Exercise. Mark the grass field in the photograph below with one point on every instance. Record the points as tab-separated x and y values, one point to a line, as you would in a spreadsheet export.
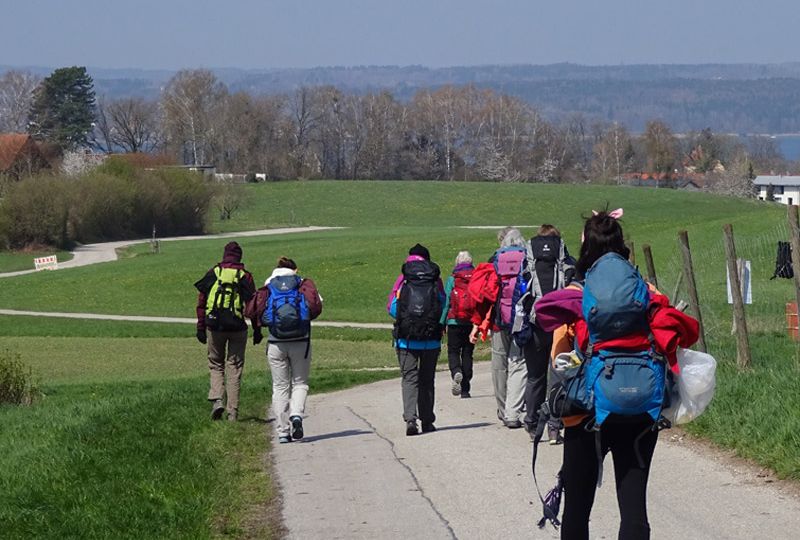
124	412
121	443
11	261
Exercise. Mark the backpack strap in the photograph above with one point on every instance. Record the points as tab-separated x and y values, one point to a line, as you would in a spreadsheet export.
552	501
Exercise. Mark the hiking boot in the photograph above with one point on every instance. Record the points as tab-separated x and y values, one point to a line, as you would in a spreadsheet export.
555	436
428	428
232	416
411	428
465	395
512	424
297	427
457	378
283	439
217	408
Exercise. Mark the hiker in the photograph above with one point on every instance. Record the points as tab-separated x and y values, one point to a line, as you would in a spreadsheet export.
493	287
549	267
457	316
646	338
286	305
416	303
223	292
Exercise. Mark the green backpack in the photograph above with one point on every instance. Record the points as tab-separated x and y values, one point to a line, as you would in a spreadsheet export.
224	303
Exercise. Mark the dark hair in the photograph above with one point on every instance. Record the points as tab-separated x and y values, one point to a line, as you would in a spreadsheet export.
548	230
286	262
601	234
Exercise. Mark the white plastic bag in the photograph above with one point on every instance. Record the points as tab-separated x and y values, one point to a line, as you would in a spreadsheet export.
695	386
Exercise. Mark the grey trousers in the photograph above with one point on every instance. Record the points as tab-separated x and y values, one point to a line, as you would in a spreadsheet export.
226	357
290	364
509	375
418	370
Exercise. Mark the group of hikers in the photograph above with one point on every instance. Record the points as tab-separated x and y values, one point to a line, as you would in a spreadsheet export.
285	305
581	345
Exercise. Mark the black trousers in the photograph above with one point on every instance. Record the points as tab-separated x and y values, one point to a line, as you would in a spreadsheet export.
459	353
580	469
537	360
418	370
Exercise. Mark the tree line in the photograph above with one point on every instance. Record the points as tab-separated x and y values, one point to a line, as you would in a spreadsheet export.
450	133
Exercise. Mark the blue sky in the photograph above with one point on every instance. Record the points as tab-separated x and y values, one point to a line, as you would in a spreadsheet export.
304	33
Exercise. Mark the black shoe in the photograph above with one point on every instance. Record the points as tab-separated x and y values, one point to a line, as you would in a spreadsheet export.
465	395
297	427
428	428
411	428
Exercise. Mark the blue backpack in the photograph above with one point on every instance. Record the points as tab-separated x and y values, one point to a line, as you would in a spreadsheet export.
287	314
620	383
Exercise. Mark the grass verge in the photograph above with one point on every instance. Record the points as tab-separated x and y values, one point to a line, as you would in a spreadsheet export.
122	444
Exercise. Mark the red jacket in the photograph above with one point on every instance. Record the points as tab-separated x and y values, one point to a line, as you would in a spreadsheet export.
670	328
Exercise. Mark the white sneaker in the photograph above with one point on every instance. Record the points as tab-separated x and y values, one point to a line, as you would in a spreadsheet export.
456	389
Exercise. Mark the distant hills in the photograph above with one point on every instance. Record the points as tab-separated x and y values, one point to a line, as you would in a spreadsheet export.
729	98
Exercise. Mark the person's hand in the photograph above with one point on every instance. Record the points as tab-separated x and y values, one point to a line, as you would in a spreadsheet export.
257	336
201	337
473	335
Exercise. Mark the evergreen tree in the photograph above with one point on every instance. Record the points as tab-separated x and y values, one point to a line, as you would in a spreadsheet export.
64	108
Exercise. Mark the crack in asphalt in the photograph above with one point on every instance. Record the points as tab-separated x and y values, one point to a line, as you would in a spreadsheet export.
410	471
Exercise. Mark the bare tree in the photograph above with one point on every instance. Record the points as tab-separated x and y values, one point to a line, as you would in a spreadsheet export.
16	98
192	101
660	145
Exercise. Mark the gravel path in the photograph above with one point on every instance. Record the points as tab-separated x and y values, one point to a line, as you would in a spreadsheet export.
107	251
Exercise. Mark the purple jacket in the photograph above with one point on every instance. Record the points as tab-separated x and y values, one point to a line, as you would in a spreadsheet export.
558	308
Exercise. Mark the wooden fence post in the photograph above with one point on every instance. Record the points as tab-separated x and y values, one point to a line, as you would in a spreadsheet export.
691	287
742	340
632	255
651	268
794	230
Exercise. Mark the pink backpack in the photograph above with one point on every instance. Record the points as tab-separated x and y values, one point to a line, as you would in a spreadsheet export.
508	263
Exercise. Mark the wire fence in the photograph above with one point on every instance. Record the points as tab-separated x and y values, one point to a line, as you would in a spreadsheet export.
766	318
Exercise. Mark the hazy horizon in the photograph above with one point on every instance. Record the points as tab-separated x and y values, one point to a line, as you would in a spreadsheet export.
266	34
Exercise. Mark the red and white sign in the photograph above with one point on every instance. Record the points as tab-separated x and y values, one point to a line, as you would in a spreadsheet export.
46	263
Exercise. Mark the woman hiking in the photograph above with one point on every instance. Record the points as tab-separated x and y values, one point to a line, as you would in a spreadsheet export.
457	315
286	305
416	303
631	439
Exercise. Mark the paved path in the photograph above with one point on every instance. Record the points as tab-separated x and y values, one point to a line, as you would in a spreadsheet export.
178	320
107	251
356	475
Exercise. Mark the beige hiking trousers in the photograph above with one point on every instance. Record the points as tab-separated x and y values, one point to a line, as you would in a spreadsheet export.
290	364
226	357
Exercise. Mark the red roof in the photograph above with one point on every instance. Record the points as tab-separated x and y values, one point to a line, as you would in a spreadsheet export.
11	145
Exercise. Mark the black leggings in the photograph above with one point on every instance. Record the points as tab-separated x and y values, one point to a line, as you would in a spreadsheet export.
580	478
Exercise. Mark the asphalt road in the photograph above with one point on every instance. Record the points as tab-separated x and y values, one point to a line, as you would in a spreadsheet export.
357	475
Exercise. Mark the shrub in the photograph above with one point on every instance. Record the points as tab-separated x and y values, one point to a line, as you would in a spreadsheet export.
17	386
112	202
34	212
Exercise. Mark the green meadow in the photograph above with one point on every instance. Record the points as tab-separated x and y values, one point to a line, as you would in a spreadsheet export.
121	443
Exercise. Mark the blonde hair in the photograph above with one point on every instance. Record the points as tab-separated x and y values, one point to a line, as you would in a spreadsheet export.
510	236
463	257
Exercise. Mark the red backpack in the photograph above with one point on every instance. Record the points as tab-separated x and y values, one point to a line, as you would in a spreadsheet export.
461	303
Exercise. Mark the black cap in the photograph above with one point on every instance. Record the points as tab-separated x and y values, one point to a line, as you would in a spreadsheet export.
421	251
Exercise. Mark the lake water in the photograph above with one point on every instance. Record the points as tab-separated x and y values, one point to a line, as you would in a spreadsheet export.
789	146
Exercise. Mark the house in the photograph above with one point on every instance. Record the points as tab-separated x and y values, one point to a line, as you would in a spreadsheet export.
785	189
20	155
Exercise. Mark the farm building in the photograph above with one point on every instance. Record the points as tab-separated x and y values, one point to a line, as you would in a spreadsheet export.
20	155
785	189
